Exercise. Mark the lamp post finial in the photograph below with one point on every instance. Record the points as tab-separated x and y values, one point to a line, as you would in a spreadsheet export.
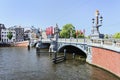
97	12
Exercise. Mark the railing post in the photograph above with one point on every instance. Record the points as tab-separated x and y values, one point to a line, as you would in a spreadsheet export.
91	40
102	42
84	39
114	43
77	39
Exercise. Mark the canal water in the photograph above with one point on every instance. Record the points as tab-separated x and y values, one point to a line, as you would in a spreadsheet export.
19	63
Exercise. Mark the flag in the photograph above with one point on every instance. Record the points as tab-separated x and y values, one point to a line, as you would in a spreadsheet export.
81	32
47	31
51	30
76	32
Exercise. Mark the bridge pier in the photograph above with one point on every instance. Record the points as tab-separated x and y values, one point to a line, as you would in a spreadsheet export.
28	47
99	52
37	50
59	58
64	54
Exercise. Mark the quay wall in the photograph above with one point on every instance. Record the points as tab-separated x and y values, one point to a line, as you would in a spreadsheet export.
106	59
22	44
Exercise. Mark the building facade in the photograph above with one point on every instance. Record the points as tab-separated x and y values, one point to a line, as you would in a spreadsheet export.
19	33
4	35
2	26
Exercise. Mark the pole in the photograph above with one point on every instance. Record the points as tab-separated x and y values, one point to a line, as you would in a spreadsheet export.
73	55
56	42
29	45
55	57
64	54
57	36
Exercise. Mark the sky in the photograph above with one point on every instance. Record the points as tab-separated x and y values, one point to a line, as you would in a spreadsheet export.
45	13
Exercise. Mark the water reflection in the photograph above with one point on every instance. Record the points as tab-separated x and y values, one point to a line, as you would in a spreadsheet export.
21	64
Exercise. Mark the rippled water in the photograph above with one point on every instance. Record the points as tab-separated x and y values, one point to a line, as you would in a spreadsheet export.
21	64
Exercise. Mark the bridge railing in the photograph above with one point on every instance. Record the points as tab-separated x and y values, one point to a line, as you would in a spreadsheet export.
72	40
109	42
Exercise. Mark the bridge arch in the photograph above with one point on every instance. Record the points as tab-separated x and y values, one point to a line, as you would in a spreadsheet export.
43	45
72	49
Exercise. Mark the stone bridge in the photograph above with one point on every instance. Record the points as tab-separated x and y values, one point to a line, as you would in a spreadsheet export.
104	53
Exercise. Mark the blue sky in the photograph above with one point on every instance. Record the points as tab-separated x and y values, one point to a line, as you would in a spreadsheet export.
45	13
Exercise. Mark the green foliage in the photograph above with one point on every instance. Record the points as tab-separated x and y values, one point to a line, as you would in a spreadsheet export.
10	35
67	31
106	36
117	35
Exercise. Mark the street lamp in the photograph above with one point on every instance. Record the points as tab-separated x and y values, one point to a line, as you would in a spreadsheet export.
93	20
96	25
40	34
56	42
70	34
101	19
57	35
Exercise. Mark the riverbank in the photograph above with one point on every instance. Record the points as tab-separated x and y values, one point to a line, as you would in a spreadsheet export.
21	63
15	44
5	45
104	69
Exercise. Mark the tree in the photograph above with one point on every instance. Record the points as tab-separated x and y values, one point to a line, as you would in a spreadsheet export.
67	31
117	35
106	36
10	35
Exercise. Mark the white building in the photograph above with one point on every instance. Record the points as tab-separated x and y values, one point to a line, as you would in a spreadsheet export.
4	33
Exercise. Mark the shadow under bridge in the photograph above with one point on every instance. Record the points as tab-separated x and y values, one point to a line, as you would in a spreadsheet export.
42	45
72	49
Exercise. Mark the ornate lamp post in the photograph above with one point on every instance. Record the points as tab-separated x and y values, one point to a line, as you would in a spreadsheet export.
57	36
70	34
56	42
95	31
40	34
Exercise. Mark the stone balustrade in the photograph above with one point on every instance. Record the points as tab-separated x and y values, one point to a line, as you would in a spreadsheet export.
108	42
